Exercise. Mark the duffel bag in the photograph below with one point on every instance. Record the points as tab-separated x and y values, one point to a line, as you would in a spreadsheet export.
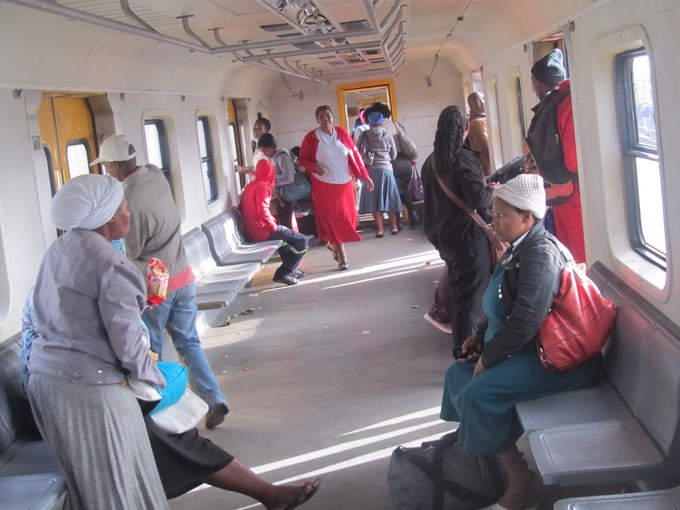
441	475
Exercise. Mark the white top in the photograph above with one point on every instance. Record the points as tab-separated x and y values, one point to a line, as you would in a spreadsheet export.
332	155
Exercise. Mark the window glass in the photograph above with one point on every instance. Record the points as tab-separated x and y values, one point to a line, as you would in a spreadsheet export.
520	105
493	118
643	171
156	143
644	102
650	200
153	144
77	158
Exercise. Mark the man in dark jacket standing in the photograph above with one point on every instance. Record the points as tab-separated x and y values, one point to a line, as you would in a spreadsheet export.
552	140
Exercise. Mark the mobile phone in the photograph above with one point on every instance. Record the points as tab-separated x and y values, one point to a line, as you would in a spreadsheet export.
458	353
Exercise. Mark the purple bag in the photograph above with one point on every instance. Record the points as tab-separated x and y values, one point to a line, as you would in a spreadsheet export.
415	187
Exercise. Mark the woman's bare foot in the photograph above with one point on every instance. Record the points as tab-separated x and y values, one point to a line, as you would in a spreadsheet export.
333	250
292	496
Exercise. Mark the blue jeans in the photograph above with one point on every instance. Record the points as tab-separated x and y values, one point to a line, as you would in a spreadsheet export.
178	314
291	252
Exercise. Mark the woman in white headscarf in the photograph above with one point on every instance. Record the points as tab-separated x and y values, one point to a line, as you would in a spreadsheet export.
87	303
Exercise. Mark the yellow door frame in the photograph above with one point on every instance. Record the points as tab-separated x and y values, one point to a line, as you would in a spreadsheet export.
386	83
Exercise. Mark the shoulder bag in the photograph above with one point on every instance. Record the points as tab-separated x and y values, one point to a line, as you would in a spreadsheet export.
497	246
299	189
408	148
578	323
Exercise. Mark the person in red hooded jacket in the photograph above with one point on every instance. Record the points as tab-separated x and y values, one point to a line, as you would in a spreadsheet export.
260	225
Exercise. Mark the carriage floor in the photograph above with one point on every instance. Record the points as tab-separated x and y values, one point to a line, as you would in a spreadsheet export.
327	377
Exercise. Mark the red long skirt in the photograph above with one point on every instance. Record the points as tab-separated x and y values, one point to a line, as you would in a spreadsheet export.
335	211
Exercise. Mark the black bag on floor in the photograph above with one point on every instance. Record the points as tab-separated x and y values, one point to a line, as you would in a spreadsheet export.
440	475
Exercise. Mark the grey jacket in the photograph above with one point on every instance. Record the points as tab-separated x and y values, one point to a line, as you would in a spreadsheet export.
529	285
155	224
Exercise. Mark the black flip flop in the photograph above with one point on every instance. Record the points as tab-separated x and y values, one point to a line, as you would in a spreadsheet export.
299	491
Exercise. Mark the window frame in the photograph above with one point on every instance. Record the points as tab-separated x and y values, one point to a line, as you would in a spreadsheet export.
631	150
208	175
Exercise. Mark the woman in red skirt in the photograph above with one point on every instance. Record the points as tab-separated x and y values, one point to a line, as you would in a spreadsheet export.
330	157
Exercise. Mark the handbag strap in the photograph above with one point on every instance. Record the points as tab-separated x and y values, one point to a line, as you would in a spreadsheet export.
486	227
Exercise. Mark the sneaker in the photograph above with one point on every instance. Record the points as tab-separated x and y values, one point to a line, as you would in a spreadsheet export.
216	415
299	273
286	279
438	322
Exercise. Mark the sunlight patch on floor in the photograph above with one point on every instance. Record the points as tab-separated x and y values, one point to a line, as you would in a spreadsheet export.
325	452
395	421
411	262
360	459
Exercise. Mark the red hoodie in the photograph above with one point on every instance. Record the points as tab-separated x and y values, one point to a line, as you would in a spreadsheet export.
258	222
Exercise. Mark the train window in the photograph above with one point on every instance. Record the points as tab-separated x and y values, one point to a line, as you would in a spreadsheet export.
493	118
78	157
207	159
516	110
520	104
643	175
156	140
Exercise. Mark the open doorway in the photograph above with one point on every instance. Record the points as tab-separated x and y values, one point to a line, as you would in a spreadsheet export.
352	97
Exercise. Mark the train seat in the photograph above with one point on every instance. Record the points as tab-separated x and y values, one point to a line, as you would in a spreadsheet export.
668	499
588	405
215	285
29	475
32	492
226	241
635	434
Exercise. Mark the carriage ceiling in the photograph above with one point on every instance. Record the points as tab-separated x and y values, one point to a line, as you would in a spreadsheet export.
330	40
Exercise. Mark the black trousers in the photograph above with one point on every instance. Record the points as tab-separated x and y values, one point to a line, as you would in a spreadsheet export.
402	173
469	271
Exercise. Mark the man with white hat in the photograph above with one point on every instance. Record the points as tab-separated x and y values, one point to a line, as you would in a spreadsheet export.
155	233
552	142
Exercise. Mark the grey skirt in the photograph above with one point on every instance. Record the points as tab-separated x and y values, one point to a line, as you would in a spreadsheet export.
99	440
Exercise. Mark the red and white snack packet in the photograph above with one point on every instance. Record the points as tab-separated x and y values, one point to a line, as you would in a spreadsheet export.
157	276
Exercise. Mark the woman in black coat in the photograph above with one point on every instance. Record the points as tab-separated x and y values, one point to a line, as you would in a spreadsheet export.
460	241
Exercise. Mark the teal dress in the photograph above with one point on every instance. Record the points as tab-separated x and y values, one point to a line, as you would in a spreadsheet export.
485	405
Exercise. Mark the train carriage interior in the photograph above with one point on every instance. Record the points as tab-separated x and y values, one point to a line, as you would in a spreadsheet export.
327	377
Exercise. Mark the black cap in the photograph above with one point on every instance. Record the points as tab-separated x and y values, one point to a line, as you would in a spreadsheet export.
549	69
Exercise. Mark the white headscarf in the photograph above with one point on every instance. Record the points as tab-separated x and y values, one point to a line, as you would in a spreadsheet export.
86	202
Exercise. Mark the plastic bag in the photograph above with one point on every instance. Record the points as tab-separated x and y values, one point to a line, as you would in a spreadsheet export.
157	277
